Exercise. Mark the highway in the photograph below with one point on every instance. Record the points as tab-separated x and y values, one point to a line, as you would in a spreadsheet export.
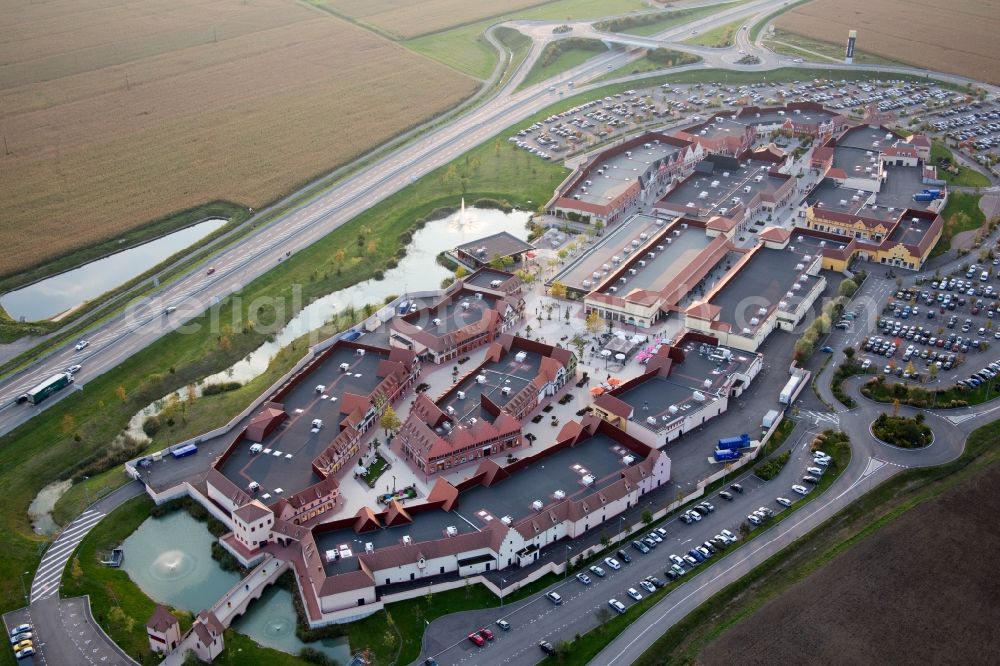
142	323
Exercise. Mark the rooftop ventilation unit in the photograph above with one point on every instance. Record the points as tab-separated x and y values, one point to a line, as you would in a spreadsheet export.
446	425
461	395
800	267
407	540
450	410
660	248
796	287
715	183
643	236
466	305
673	409
699	396
559	494
703	195
616	259
633	271
762	311
505	390
808	257
436	321
642	263
344	367
782	305
451	531
636	243
746	331
754	321
369	547
521	356
586	284
479	296
627	250
588	479
707	383
473	421
361	352
725	174
651	420
507	520
537	505
480	379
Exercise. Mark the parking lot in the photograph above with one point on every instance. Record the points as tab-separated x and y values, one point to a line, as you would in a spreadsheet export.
941	112
939	332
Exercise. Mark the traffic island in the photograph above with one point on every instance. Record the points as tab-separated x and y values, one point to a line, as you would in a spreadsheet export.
902	431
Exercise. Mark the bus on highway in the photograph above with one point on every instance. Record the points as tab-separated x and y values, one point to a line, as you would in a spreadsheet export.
49	386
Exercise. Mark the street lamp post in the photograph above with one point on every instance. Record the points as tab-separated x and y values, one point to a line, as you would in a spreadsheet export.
503	584
566	570
24	589
621	530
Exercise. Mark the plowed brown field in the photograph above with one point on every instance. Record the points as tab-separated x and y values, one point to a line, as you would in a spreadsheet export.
115	114
921	590
957	36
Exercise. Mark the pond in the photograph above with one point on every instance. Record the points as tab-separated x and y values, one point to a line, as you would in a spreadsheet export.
170	559
47	298
418	271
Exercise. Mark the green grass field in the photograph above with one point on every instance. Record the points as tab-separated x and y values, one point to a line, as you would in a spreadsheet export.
965	177
961	214
465	48
717	38
677	17
798	46
548	67
649	64
757	27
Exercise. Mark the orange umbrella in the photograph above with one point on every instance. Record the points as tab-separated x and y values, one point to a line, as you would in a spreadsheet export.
614	381
597	390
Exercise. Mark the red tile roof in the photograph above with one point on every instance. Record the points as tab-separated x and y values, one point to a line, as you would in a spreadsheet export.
161	620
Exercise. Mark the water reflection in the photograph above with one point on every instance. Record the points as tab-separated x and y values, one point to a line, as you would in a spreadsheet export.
49	297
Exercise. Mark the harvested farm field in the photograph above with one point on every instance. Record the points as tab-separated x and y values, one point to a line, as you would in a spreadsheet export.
956	37
405	19
116	114
921	589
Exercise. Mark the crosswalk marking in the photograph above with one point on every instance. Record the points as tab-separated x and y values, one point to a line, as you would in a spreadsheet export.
818	417
50	570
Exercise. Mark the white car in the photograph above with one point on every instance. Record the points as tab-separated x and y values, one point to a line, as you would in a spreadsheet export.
646	585
729	535
73	369
695	516
634	593
613	563
753	519
82	344
583	578
801	490
784	501
617	605
815	471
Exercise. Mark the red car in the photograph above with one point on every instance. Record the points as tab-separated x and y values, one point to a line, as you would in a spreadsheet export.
477	639
486	633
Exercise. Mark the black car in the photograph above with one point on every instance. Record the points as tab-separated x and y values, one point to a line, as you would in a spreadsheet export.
726	495
671	574
686	518
547	647
655	581
623	556
737	487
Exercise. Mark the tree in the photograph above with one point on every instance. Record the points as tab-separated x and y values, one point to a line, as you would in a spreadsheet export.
933	371
372	247
461	272
647	517
580	343
598	226
389	421
847	288
849	352
340	255
602	614
76	571
557	290
594	323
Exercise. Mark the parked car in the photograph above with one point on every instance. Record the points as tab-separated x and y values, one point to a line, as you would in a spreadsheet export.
634	593
623	556
808	478
20	629
547	647
597	571
732	537
613	563
646	585
784	502
617	606
477	640
801	490
486	633
503	624
583	578
726	495
554	598
736	487
657	583
753	519
640	546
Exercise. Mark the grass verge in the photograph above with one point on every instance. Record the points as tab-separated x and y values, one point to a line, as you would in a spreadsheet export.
962	176
560	56
757	27
962	213
788	43
785	429
879	390
685	640
650	24
719	37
